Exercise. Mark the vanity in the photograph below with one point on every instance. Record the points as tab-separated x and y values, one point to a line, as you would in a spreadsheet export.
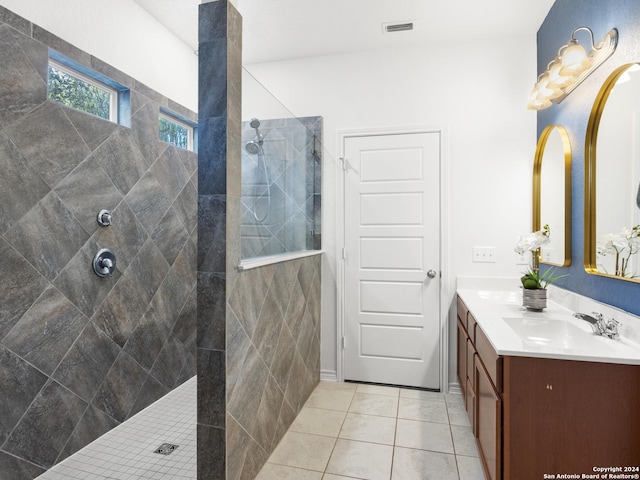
544	395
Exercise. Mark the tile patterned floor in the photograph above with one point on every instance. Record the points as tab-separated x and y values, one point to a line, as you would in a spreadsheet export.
127	451
345	431
349	431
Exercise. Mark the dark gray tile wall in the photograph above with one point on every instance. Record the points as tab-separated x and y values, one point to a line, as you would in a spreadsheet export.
219	54
259	329
273	354
79	354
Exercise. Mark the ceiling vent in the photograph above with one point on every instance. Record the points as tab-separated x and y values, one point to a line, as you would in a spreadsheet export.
397	27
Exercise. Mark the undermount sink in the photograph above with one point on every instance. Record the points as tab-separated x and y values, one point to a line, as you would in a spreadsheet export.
545	332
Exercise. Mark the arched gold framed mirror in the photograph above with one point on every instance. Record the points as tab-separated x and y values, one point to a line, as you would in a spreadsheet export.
612	178
552	194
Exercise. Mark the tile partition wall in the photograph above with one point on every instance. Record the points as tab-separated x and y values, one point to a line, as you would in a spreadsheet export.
259	356
80	354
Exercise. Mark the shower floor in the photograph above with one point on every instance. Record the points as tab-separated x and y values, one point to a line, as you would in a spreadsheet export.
127	451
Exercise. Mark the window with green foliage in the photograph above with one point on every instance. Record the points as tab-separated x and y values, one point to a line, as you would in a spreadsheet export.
176	132
76	90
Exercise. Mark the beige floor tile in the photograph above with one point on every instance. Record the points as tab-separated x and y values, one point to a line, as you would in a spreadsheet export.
368	404
424	436
463	441
271	471
454	398
331	476
361	460
470	468
422	395
318	421
410	464
458	415
423	410
330	399
378	390
369	428
303	450
338	385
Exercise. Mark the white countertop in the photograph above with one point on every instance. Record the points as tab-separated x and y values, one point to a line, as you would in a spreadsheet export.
553	333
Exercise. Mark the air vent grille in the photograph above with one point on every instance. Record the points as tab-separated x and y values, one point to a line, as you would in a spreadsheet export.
397	27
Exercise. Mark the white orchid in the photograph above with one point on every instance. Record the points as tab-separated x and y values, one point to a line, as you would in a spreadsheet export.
622	245
532	280
533	241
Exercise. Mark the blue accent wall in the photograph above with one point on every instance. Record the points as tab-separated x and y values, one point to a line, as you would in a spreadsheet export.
573	113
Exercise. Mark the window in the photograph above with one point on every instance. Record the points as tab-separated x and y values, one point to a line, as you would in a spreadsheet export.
177	131
79	87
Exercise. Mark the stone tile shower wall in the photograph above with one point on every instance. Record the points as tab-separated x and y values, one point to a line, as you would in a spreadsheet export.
80	354
273	358
258	330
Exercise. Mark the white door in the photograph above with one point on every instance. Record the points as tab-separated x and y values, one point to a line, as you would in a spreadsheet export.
392	259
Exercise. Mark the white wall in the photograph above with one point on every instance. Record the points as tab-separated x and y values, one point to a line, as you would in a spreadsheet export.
124	35
477	91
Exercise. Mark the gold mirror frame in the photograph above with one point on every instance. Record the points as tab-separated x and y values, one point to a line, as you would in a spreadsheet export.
537	188
590	241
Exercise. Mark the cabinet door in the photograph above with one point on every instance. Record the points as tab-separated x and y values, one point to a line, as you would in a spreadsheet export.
471	407
471	386
462	358
488	423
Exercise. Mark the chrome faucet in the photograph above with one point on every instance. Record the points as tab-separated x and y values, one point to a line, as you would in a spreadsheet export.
600	326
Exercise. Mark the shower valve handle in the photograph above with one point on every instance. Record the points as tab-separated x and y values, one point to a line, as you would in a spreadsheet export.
104	218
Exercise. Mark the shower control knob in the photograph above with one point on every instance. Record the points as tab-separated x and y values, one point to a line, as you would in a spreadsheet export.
104	263
104	218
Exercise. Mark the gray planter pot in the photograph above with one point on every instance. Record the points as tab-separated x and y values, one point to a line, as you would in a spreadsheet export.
534	300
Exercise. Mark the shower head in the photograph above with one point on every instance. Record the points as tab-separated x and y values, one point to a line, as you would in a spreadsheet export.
255	123
253	147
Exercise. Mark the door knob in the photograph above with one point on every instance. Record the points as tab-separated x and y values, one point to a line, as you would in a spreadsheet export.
432	273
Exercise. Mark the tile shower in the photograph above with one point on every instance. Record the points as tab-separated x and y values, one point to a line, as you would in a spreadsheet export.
80	354
281	172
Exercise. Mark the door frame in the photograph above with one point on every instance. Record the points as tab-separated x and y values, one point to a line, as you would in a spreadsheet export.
446	279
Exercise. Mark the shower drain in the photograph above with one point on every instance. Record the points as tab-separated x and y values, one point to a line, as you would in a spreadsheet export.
166	448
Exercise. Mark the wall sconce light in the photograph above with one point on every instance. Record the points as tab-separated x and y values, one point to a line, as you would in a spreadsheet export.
569	69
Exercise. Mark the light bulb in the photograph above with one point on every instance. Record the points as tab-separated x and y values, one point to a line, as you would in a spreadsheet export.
574	59
556	80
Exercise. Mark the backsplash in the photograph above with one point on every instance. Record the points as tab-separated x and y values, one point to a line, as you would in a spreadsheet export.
79	354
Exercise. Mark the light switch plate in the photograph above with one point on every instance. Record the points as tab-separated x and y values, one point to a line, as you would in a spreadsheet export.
484	254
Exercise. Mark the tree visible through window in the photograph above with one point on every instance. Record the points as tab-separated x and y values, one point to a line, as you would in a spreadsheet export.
73	91
176	133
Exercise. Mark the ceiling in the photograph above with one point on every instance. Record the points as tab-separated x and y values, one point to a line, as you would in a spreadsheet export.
286	29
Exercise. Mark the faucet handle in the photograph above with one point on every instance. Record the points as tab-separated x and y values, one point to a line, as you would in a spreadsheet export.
611	329
598	315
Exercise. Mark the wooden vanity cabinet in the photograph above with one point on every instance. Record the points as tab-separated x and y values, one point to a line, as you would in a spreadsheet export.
466	358
488	418
462	338
534	416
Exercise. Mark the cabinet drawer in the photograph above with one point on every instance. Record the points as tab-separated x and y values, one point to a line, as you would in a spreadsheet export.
462	312
471	327
489	358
